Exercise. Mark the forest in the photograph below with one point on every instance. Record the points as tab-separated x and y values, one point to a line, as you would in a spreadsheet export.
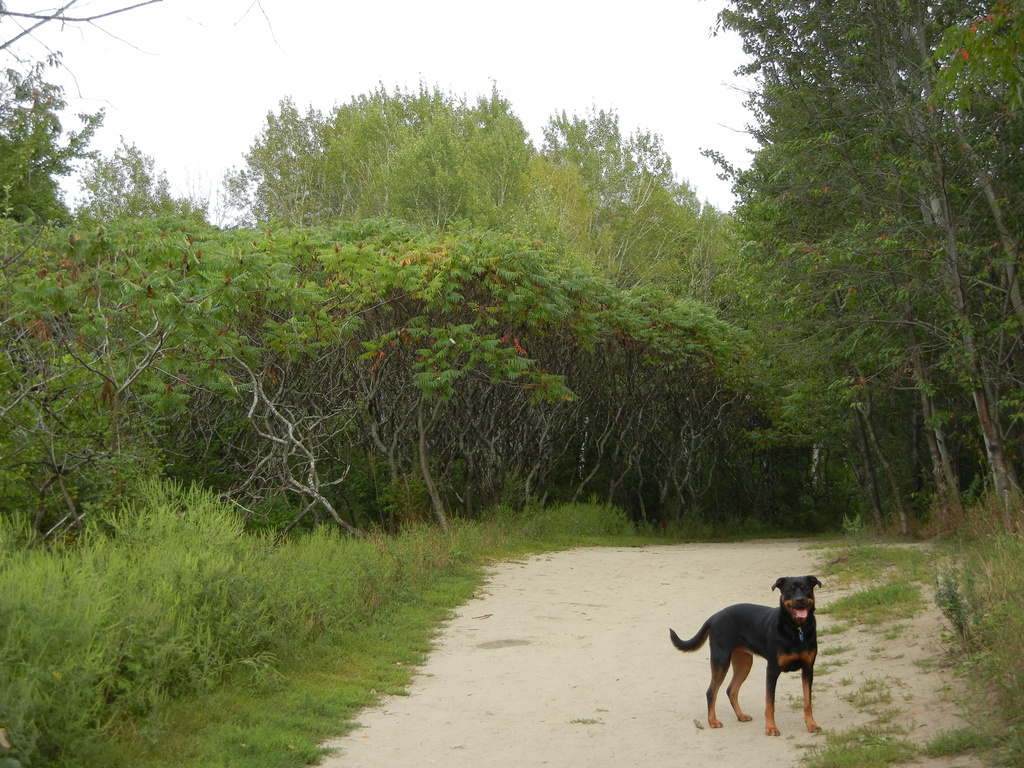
407	309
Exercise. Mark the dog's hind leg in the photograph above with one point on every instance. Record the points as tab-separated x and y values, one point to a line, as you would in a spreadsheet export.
742	660
718	674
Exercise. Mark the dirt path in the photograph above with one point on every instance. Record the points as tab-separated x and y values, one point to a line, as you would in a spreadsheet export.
564	660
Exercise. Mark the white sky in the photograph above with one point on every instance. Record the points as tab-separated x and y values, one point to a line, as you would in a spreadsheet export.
190	81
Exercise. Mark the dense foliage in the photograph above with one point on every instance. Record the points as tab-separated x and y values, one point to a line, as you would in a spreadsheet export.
127	185
598	196
361	374
35	150
883	215
880	279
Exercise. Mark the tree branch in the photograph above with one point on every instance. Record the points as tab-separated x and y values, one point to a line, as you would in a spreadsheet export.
60	15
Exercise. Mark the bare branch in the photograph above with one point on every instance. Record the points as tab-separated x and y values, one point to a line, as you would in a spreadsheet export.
60	14
258	4
292	442
34	27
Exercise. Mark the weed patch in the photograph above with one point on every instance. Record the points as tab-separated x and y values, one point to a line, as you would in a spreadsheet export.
878	604
980	592
868	747
856	561
958	742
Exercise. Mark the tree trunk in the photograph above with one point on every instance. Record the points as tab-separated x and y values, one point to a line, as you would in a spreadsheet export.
947	486
897	493
868	478
428	478
1004	480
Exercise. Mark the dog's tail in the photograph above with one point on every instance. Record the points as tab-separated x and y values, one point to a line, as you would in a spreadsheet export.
694	642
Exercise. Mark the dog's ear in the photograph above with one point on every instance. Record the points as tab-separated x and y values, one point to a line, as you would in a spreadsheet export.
778	583
813	580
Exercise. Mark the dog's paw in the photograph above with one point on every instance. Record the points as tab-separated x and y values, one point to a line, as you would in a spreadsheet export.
771	730
714	723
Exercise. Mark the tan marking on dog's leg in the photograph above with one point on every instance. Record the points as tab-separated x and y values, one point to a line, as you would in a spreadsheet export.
770	729
812	726
742	660
717	676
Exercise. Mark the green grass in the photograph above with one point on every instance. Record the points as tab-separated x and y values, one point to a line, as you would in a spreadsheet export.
980	590
876	605
284	721
958	742
832	650
835	629
856	561
875	697
867	747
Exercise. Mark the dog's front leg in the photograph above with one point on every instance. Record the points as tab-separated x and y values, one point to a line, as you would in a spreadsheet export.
770	729
807	677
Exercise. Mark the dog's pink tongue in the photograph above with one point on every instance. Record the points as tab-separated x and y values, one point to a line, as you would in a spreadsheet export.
801	613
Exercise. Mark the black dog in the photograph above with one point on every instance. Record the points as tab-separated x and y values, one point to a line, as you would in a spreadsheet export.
785	636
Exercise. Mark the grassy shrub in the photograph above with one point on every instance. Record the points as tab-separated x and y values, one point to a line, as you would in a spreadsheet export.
573	524
981	593
54	662
172	599
120	623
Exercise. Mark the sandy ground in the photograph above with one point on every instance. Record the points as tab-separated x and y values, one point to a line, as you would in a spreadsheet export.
565	660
